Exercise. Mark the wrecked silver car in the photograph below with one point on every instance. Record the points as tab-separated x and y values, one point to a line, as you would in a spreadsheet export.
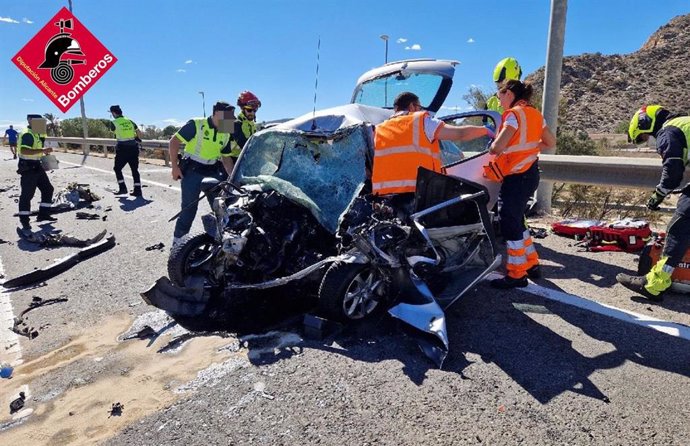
298	212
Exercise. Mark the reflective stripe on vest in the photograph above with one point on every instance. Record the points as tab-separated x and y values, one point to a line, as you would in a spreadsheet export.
204	148
124	129
37	145
400	148
522	149
248	129
682	123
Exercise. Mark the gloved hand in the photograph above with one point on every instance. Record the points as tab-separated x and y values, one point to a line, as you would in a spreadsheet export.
655	200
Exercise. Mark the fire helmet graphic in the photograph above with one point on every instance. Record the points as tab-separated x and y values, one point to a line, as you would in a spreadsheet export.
59	53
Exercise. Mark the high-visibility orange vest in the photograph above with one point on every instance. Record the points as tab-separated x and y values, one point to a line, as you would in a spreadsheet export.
400	148
523	148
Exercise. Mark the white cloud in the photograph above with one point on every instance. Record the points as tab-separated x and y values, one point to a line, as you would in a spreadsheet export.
8	20
180	70
415	47
27	21
27	100
470	40
173	121
401	40
188	61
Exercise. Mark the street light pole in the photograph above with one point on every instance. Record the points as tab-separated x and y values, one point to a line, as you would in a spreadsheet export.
384	37
84	124
203	102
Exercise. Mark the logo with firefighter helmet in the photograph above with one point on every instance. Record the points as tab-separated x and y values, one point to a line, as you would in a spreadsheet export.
60	52
64	59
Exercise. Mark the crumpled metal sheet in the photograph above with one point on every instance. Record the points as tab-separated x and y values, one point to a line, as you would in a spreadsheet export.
61	265
53	240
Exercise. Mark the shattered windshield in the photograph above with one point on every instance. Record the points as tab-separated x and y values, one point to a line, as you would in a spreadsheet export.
322	173
382	92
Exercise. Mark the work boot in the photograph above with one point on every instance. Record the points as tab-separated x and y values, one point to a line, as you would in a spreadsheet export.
44	216
122	190
136	192
637	284
534	272
508	282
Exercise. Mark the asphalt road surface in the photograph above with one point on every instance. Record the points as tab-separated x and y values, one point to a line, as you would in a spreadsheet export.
572	359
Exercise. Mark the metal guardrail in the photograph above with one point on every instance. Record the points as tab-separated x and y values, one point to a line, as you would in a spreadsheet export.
594	170
106	143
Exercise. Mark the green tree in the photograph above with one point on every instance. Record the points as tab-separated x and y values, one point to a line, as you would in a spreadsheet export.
98	128
170	131
477	98
53	126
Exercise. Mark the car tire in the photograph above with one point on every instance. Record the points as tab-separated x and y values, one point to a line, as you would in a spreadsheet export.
190	254
350	291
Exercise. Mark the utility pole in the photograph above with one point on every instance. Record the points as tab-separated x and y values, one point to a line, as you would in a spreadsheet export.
384	37
552	88
84	125
203	102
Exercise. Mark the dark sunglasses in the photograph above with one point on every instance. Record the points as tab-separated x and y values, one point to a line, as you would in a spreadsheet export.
249	109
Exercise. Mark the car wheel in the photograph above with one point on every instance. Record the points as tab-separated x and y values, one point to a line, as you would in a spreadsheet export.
350	291
190	257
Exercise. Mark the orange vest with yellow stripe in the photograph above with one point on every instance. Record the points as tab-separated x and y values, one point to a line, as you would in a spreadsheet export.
523	148
400	148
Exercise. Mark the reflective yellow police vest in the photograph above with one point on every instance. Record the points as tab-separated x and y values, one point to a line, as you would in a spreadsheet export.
207	143
124	129
37	145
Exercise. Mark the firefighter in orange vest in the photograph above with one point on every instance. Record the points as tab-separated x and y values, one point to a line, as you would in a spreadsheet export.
408	140
522	135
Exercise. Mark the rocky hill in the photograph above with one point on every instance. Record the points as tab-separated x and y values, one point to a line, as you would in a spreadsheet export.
599	92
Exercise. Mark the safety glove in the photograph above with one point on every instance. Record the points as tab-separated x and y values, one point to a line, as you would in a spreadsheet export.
655	200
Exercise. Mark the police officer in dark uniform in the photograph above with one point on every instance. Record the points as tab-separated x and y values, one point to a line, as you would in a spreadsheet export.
127	150
33	176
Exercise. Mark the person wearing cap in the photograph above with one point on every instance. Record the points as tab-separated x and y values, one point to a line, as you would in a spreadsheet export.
245	125
11	133
672	134
128	137
33	176
206	153
505	70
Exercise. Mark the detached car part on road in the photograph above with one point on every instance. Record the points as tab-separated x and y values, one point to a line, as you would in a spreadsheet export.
298	212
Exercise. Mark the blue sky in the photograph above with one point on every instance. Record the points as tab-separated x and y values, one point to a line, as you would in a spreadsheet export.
170	50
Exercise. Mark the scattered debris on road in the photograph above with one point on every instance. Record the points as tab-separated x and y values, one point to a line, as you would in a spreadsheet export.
16	405
116	410
47	239
145	333
538	232
21	328
6	370
74	196
81	215
157	247
61	265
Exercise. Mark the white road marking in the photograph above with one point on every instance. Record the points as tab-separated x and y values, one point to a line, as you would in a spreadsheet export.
153	183
669	328
10	350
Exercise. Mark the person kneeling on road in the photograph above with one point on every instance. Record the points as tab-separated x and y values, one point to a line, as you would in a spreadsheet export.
33	176
206	154
672	135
